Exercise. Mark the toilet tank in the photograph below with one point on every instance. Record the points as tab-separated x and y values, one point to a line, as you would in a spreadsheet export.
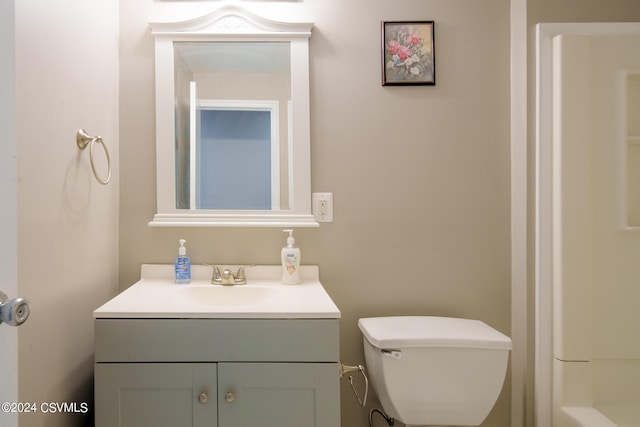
435	370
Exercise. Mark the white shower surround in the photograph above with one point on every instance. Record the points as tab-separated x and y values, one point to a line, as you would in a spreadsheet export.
581	383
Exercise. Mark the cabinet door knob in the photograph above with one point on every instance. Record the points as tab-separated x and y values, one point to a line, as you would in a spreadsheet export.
230	397
203	398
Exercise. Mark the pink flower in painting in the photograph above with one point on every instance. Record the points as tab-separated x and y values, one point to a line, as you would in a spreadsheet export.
393	47
403	52
413	39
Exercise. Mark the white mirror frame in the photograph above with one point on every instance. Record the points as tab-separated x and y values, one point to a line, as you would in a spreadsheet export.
233	23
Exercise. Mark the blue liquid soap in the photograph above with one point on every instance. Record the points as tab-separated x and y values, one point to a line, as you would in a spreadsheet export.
182	265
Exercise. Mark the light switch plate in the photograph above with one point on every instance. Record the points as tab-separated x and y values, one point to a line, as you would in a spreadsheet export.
322	206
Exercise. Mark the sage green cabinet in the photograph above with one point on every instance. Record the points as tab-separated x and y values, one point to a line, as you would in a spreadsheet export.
278	395
155	394
217	373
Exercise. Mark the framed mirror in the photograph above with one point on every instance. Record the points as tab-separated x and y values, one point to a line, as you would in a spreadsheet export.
232	121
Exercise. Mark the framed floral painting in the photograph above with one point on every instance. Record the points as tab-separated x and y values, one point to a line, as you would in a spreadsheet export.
408	53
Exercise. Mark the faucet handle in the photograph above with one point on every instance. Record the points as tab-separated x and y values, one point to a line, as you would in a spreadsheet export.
215	276
240	278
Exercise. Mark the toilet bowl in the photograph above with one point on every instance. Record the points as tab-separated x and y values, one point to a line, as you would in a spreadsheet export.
435	370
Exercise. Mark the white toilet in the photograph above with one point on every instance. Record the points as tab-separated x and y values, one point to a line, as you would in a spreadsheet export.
435	370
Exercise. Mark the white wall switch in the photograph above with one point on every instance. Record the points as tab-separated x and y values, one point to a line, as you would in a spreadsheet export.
322	206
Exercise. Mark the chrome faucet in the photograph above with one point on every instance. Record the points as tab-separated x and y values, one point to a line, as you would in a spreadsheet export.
227	277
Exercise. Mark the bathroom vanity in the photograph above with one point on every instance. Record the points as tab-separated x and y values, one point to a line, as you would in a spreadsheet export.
260	354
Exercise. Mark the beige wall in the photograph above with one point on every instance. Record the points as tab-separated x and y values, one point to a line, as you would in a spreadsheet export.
420	175
588	11
66	78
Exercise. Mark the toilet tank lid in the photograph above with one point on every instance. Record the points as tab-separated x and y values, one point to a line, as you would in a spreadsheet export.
430	331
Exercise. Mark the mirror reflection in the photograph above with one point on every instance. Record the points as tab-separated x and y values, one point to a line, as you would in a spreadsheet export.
232	126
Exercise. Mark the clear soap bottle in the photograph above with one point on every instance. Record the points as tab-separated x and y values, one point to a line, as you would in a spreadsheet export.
182	265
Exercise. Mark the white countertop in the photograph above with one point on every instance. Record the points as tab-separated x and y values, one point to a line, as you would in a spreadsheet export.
263	297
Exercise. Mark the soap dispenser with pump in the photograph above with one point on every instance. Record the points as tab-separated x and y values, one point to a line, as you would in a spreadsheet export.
182	265
290	261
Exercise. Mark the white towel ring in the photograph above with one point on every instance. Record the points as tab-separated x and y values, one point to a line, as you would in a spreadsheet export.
83	139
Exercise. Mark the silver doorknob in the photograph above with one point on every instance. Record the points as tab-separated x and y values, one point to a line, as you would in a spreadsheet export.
203	398
230	397
14	312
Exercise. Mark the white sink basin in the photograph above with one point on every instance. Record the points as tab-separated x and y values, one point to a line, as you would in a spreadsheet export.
264	297
213	295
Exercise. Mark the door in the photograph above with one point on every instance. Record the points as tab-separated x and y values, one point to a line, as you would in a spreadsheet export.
8	220
155	395
278	395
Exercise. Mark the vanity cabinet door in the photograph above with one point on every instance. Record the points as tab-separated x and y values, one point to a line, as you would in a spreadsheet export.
278	395
155	394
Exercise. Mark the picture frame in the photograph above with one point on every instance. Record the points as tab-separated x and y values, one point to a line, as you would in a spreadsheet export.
408	53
